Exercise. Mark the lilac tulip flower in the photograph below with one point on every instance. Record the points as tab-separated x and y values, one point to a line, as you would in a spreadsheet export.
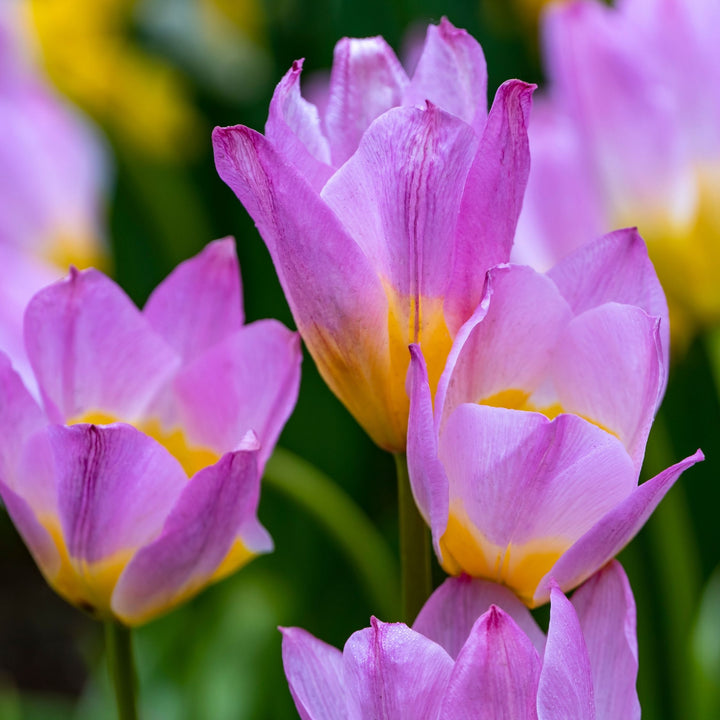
526	468
463	660
630	134
53	166
137	483
383	214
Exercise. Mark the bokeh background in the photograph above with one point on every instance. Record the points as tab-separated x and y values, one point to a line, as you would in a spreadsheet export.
156	76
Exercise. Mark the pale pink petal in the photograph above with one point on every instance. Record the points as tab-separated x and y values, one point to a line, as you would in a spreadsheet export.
427	475
614	268
450	612
250	381
521	477
566	686
451	73
613	532
393	672
196	537
115	487
496	673
399	196
606	610
92	350
512	345
366	80
200	302
491	200
608	369
293	127
314	671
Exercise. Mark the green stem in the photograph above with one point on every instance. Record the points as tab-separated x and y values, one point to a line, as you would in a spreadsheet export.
118	640
414	546
344	520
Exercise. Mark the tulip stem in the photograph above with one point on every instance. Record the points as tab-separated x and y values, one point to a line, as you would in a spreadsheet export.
349	526
414	546
118	641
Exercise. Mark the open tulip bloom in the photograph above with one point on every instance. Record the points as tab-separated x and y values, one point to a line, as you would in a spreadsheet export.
526	469
629	133
463	660
137	483
382	214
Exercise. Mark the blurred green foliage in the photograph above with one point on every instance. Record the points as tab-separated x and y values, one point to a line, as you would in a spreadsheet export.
219	656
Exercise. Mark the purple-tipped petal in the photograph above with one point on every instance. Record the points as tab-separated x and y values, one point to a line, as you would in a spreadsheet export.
427	476
197	536
491	200
366	80
115	488
394	672
496	673
92	350
314	671
250	381
293	127
606	610
566	684
451	611
399	197
608	369
200	302
452	74
615	530
613	268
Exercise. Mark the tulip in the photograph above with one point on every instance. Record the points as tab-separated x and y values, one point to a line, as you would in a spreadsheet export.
526	468
137	482
383	215
463	660
629	134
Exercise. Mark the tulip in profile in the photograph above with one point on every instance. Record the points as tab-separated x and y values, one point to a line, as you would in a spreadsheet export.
463	660
526	467
137	482
382	214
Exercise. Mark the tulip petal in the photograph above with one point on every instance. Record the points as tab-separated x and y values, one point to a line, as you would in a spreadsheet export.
608	369
491	200
566	688
115	488
249	381
511	346
337	300
613	268
394	672
399	196
451	73
427	475
196	538
366	80
92	350
606	610
451	611
613	532
200	302
293	127
524	489
314	671
496	673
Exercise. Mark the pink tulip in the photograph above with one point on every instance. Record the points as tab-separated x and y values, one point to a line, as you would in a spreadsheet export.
383	214
463	660
526	466
137	482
